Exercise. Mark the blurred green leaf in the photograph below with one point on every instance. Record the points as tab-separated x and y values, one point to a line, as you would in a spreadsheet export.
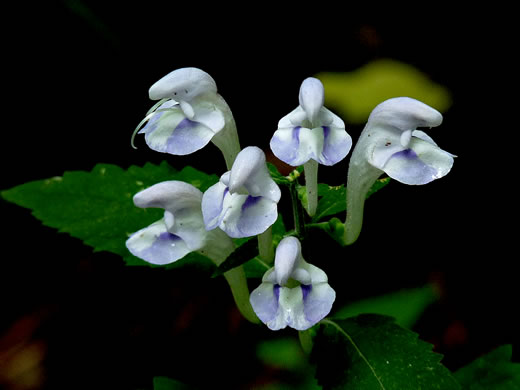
406	306
283	353
353	95
164	383
97	206
372	352
492	371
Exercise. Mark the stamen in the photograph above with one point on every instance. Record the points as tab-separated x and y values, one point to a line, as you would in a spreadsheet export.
157	105
151	112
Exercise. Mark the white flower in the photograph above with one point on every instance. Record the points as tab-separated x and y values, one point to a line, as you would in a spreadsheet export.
293	293
390	143
180	231
311	131
189	115
244	202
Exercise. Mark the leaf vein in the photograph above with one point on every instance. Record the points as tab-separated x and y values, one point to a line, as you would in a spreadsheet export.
361	355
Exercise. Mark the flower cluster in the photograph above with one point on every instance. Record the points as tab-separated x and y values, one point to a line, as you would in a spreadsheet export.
244	202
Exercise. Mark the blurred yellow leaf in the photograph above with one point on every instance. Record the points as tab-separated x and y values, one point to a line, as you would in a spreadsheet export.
353	95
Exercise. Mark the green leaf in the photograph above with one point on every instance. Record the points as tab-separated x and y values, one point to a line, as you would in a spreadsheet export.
332	199
97	206
405	306
355	94
492	371
372	352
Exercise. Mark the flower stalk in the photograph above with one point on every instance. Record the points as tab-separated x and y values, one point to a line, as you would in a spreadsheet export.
311	185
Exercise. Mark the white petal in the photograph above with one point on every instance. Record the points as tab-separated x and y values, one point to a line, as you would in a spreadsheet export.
287	253
384	147
292	306
250	171
170	195
212	205
187	109
184	84
405	138
209	115
294	118
421	164
317	275
312	96
404	114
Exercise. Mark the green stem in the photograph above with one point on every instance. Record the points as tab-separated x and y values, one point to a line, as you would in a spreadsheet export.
218	247
299	221
361	176
311	184
237	281
227	138
306	342
265	245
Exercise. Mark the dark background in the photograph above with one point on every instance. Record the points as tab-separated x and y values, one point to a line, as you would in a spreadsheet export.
76	79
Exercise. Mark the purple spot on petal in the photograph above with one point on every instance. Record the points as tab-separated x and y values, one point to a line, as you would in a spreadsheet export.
276	291
306	289
250	201
407	153
326	131
167	236
296	135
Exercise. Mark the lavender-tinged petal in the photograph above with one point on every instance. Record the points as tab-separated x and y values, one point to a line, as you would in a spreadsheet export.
257	214
421	164
336	145
188	137
264	300
317	301
212	205
161	127
156	245
406	167
285	145
246	216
